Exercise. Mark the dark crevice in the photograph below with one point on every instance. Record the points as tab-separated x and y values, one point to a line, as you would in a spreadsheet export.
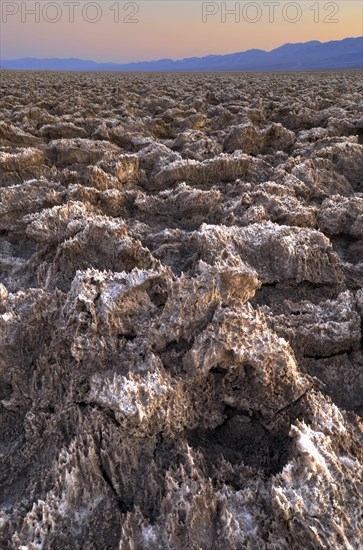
332	356
128	337
218	372
173	354
86	405
295	401
243	439
273	295
348	248
105	475
158	294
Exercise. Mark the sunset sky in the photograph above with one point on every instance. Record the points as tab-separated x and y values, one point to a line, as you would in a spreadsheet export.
168	28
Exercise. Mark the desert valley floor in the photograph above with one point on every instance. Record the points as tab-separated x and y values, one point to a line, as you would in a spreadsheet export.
181	303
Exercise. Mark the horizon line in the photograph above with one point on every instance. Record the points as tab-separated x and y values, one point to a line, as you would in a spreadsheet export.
178	59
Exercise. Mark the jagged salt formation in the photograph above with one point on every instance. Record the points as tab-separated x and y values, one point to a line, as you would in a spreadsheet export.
181	303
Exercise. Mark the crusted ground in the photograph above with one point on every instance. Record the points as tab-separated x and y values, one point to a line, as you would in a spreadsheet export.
181	302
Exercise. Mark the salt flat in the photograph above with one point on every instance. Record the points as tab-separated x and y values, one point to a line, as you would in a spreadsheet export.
181	302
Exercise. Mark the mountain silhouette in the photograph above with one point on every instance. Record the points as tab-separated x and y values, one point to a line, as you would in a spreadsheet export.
313	55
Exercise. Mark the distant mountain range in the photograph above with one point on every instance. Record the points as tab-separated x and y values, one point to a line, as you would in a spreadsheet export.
314	55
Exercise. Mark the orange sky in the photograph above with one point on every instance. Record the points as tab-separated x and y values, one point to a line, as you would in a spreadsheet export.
169	28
